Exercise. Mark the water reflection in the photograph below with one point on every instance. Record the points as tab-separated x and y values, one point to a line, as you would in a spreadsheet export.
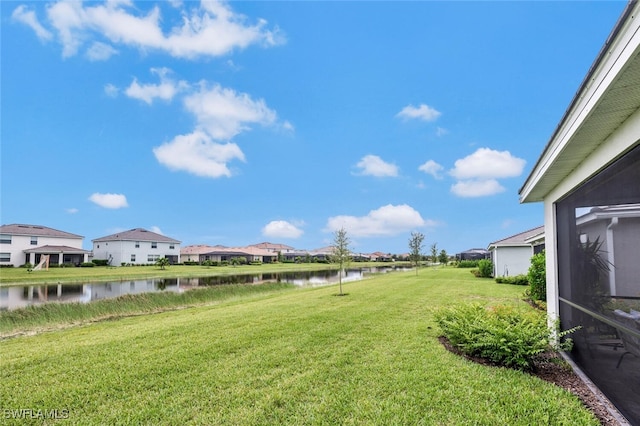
23	296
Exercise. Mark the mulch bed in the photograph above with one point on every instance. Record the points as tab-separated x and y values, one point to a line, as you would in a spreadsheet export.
551	367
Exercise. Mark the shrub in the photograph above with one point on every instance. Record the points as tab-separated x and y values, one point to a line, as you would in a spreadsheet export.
485	268
537	276
87	265
515	280
100	262
467	264
502	334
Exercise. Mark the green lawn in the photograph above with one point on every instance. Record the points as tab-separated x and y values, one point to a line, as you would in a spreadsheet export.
12	276
297	356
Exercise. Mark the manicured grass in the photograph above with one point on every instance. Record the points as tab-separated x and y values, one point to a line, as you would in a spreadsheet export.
12	276
302	356
55	315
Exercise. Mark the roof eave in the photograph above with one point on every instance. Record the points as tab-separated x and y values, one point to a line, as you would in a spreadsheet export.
591	91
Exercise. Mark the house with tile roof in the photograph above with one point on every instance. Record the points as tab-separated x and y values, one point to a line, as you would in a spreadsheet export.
273	247
136	246
511	256
21	244
201	253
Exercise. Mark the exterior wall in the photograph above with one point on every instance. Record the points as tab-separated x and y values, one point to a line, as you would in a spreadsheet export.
588	283
19	243
121	251
511	261
621	140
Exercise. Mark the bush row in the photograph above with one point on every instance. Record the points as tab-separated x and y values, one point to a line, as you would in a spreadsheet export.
515	280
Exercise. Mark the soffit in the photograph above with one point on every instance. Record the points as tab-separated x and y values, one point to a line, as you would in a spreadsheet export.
619	102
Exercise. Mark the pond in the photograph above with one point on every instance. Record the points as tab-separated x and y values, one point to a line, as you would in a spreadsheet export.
21	296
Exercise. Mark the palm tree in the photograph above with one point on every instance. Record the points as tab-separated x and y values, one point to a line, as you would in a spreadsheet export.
162	262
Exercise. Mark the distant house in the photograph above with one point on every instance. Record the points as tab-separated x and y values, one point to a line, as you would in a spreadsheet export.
473	254
20	244
254	254
379	256
512	255
136	246
322	254
294	255
202	253
360	257
275	248
197	253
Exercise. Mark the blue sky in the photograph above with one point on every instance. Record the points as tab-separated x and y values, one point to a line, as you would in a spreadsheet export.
242	122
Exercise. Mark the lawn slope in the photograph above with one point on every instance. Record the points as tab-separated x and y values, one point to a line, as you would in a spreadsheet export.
302	356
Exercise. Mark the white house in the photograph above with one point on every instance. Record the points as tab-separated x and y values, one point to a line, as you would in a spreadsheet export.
21	243
136	246
588	177
512	255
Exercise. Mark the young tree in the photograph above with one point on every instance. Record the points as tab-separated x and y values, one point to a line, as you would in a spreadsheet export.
415	248
443	257
340	253
434	252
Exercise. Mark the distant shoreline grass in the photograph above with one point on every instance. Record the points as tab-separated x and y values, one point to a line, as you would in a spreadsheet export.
286	357
60	314
75	275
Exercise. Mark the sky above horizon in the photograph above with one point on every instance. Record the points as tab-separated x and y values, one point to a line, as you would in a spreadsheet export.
235	123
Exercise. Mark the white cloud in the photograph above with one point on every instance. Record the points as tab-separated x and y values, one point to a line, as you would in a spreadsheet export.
72	210
476	188
28	17
223	113
387	220
281	229
109	201
477	173
111	90
100	52
487	163
372	165
422	112
197	154
156	229
432	168
441	131
288	126
211	29
166	90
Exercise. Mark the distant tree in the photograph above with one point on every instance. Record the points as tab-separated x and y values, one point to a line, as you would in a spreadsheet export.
434	252
340	252
415	248
443	257
162	262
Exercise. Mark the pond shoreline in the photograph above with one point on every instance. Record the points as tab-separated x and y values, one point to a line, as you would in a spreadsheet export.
10	277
